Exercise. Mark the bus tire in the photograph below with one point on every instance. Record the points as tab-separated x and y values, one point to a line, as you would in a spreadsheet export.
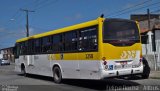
57	75
23	70
146	69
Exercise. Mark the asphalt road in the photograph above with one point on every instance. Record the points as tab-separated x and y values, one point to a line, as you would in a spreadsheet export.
13	81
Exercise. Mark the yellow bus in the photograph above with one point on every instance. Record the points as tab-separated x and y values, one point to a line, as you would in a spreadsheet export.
96	49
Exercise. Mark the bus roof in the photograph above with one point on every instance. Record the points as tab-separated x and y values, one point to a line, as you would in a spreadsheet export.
65	29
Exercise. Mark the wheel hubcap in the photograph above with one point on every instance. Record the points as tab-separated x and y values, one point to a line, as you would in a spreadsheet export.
57	75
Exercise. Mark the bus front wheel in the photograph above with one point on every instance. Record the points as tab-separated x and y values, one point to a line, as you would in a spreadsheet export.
23	70
57	75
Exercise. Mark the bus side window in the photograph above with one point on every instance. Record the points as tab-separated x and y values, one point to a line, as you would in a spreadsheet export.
46	43
74	41
88	39
70	39
17	50
49	44
25	48
37	48
20	48
57	43
31	46
93	39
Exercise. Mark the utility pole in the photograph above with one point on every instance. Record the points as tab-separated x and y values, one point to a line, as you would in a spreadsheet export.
151	39
27	21
149	17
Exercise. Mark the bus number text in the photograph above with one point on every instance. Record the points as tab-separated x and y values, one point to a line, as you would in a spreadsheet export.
89	56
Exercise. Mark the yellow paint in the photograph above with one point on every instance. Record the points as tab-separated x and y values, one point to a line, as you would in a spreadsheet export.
100	38
140	37
51	57
113	52
75	56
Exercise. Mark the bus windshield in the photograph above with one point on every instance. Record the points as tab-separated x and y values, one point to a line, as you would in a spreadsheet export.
117	32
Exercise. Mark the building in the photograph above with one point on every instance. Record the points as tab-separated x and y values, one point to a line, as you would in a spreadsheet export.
7	53
150	35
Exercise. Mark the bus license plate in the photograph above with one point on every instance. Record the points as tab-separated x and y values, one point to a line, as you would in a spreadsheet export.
124	64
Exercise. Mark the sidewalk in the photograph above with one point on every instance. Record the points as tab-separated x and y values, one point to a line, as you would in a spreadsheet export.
154	74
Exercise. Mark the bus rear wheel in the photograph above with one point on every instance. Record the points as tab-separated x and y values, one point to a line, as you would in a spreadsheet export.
23	70
57	75
146	69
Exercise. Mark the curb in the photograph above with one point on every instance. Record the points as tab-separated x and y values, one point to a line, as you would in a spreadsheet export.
155	75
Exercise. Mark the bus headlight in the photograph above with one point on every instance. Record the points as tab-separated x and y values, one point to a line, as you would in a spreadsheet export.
104	61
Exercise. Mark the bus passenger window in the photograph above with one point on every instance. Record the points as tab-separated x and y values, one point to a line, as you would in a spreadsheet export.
70	41
37	46
46	44
57	43
88	39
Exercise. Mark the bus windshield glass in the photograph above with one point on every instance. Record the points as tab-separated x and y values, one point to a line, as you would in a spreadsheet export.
117	32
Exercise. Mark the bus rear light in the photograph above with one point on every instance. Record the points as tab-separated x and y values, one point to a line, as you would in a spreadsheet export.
104	58
104	62
141	56
140	60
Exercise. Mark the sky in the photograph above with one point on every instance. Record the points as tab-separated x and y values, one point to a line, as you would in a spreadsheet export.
53	14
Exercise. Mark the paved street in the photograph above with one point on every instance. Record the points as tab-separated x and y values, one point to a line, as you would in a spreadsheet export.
15	82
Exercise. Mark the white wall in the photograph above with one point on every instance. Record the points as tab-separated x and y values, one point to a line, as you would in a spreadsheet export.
1	56
151	56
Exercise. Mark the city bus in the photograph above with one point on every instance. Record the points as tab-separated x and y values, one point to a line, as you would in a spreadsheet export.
97	49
